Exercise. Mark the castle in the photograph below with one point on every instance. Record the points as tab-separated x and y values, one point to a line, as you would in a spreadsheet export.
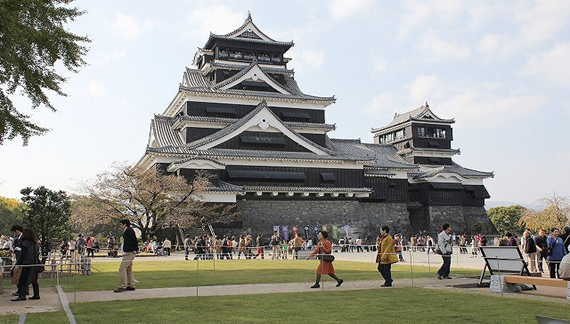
241	116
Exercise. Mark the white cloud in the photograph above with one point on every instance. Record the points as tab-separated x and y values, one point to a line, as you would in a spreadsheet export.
126	26
414	14
307	59
216	19
379	65
477	106
541	20
487	105
96	89
381	105
553	65
344	8
106	58
437	48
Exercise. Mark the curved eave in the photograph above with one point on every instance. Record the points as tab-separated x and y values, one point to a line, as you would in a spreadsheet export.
258	96
172	153
213	37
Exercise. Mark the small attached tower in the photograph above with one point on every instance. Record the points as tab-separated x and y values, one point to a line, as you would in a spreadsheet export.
420	137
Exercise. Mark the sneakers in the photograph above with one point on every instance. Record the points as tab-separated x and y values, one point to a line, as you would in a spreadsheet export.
439	276
130	288
316	286
386	285
340	281
119	290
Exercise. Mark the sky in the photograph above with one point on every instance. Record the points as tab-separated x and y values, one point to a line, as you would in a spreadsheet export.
501	69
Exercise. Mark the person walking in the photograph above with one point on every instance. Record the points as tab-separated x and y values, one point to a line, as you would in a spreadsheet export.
275	243
529	248
558	251
187	242
28	257
260	249
444	245
386	256
128	249
541	247
167	245
325	267
297	245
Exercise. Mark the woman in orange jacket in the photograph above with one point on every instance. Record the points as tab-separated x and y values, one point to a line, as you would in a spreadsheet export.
386	256
325	267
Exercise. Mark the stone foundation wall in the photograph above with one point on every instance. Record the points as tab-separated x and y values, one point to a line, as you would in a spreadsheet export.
461	218
363	218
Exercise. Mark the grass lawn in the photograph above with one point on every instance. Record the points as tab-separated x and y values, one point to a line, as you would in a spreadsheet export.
395	305
152	274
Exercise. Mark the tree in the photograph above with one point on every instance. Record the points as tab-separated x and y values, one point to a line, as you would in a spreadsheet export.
32	41
11	213
149	198
48	213
556	214
506	219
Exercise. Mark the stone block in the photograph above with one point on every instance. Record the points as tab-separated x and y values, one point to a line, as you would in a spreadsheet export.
498	285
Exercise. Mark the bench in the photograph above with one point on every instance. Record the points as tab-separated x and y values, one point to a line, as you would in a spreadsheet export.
536	281
511	283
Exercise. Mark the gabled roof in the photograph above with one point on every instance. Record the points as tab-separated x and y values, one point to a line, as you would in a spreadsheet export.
255	73
195	81
420	114
262	117
247	32
427	172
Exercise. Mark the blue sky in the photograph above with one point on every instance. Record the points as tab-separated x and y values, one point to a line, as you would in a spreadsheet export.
500	68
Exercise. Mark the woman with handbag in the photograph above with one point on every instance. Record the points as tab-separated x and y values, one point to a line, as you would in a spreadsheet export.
555	251
324	247
28	256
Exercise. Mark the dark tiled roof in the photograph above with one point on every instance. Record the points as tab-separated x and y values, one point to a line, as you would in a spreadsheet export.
230	66
188	159
161	128
306	189
226	187
195	81
384	155
427	171
242	29
228	121
417	115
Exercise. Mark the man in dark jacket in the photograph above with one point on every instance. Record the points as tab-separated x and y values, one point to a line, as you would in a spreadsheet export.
17	229
129	247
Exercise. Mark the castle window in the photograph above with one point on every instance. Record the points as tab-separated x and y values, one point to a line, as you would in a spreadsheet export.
439	133
400	134
422	132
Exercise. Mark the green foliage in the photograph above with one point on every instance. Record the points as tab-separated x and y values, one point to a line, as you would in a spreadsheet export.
11	213
556	214
47	212
33	39
506	219
477	227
